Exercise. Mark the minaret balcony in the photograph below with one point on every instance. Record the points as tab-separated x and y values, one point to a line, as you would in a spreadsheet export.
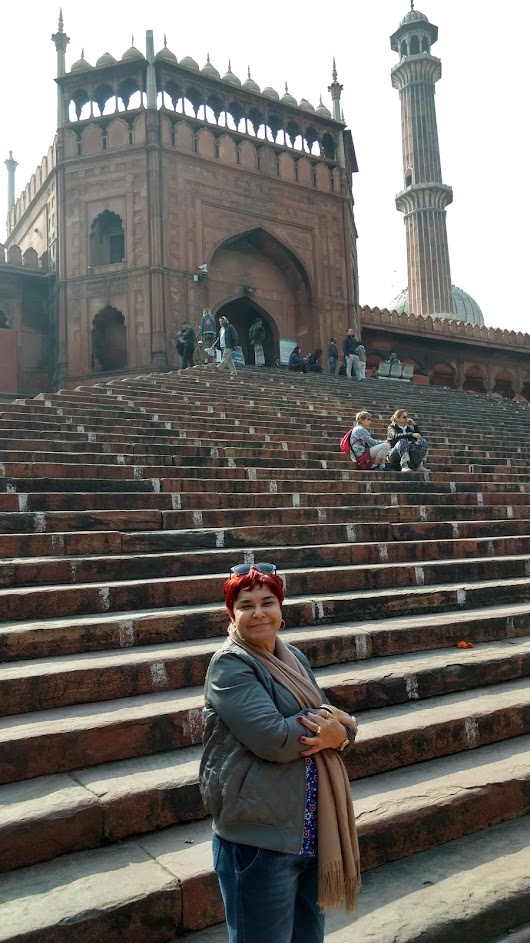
415	70
422	197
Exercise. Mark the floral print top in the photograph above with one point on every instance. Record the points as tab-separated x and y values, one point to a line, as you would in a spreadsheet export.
309	840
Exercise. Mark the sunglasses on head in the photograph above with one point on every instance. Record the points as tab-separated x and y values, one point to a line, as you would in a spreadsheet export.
242	568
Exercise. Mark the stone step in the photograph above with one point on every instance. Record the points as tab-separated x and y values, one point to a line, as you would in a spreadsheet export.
82	543
194	500
46	571
123	891
52	636
44	684
230	470
172	482
53	741
471	889
22	603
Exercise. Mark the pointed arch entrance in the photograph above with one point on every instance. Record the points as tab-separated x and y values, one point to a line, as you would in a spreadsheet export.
253	274
242	312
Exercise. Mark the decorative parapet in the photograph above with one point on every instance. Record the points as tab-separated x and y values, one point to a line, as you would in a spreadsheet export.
447	329
37	181
28	262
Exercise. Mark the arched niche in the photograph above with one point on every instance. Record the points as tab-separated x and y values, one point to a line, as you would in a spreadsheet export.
322	177
117	134
227	149
107	239
414	46
257	264
247	156
474	379
139	135
443	374
166	131
30	259
304	172
286	167
267	162
206	143
184	138
109	340
504	384
70	144
91	140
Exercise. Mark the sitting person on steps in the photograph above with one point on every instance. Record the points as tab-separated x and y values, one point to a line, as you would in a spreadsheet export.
297	362
408	447
360	439
313	361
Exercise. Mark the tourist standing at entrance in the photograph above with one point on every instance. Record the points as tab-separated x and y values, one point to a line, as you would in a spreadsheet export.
272	776
256	336
361	353
208	328
408	447
333	356
227	342
349	347
187	339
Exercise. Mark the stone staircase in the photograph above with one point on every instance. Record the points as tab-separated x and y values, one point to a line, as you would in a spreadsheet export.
122	507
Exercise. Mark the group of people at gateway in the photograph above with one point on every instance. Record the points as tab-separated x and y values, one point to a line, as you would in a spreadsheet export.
199	347
404	449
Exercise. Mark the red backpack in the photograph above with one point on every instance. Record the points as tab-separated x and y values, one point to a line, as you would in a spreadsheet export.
345	442
363	461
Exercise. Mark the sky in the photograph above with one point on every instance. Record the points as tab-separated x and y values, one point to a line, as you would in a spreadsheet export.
481	100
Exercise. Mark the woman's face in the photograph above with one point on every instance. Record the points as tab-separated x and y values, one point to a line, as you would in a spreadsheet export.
258	616
366	423
402	419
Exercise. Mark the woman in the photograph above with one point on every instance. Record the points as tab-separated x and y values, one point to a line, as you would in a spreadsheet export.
272	777
367	452
297	362
313	361
408	448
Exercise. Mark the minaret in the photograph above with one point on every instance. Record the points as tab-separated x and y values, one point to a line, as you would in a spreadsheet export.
11	165
61	41
335	89
424	197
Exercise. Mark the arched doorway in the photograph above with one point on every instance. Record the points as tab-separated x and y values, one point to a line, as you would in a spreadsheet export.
474	380
109	340
242	312
261	276
443	374
504	384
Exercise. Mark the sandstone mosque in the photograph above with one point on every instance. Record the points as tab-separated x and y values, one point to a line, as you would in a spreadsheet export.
170	188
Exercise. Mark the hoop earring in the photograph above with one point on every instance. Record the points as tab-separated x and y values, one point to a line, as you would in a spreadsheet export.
282	625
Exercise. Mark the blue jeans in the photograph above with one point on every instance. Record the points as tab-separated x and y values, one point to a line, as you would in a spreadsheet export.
332	366
269	897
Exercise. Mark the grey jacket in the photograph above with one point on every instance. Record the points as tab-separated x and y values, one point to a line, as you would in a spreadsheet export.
252	777
360	438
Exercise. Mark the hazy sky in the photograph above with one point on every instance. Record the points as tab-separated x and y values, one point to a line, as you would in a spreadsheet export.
482	107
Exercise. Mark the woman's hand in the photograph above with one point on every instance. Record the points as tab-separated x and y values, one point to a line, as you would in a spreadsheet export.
416	435
324	732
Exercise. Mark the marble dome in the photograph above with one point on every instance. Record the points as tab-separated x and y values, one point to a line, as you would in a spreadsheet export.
466	308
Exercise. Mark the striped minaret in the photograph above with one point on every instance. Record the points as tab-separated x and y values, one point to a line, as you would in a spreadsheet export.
424	197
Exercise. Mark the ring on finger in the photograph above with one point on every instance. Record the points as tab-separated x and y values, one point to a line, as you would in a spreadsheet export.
318	731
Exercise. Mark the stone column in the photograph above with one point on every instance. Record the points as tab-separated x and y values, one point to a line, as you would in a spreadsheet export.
11	165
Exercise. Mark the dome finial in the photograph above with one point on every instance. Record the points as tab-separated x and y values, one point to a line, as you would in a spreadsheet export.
165	41
248	70
411	5
82	53
132	40
229	65
60	19
286	88
208	58
334	72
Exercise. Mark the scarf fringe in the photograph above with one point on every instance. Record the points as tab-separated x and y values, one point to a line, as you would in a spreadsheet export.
334	889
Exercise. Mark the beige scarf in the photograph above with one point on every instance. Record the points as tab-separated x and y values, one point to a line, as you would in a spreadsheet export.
339	872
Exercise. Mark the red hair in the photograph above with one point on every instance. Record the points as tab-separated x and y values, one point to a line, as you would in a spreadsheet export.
235	584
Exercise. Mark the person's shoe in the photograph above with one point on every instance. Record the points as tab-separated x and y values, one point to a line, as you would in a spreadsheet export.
382	468
406	468
423	468
374	467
